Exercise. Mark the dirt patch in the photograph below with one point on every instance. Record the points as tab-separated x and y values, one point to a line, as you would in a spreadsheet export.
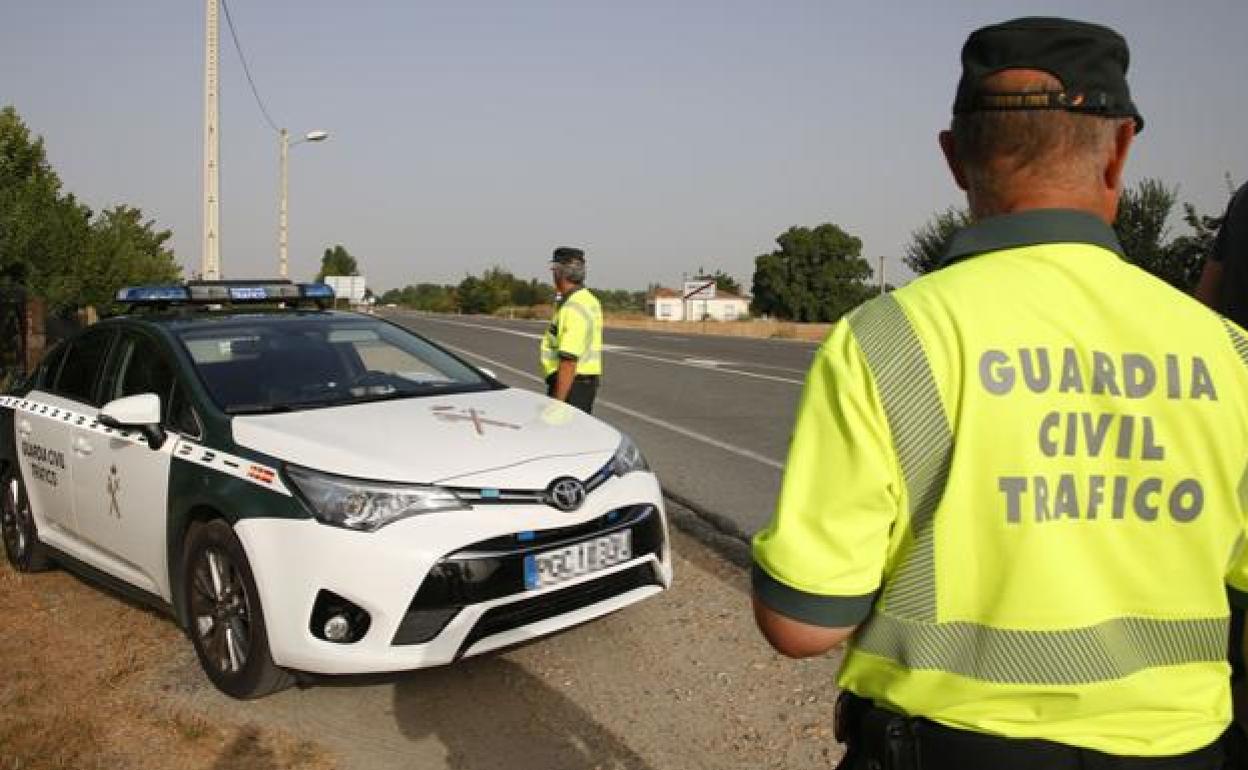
81	689
682	681
780	330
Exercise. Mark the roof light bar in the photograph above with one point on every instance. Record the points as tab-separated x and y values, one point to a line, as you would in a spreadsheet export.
226	293
137	294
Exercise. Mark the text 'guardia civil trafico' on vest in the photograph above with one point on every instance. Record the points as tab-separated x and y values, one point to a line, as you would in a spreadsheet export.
1111	435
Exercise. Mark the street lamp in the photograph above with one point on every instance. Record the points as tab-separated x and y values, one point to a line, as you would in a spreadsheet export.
284	139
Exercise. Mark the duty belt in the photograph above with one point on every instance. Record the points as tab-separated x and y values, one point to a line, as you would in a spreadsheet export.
880	739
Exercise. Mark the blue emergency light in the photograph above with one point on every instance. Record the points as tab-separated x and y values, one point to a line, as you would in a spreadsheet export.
227	293
136	294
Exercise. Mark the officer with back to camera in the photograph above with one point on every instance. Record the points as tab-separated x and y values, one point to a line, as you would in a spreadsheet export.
572	345
1014	484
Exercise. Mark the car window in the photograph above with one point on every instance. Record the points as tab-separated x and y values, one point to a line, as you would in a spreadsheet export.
50	367
142	366
180	415
277	364
84	360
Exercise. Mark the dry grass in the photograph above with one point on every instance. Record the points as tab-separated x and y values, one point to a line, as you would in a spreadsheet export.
785	330
80	689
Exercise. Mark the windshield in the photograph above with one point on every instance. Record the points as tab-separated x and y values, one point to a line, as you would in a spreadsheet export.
256	365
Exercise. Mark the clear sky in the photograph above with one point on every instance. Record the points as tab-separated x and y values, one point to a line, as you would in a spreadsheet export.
660	136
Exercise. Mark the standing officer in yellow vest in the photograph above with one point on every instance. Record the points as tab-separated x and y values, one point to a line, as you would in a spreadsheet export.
572	344
1017	485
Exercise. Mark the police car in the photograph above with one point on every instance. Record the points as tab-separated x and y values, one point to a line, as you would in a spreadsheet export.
307	490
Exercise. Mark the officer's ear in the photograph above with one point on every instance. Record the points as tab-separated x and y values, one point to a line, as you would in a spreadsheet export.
1124	134
949	147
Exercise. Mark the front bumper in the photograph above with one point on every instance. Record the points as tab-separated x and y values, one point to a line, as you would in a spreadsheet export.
447	585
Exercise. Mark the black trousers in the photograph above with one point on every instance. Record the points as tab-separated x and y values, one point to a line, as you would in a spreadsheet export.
881	740
584	389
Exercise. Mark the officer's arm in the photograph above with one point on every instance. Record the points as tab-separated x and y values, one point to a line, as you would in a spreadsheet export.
1210	283
793	637
564	377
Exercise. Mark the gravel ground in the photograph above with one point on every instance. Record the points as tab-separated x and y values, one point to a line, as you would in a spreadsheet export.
678	682
681	681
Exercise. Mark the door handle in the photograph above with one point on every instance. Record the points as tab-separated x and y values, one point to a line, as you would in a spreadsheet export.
24	428
82	447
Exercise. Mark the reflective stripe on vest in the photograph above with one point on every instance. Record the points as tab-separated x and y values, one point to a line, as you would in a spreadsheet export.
905	627
591	353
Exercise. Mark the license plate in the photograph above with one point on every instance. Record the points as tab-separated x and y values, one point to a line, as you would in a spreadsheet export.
564	564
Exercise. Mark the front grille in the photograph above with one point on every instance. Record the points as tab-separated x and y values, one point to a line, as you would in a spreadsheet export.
420	626
556	603
493	569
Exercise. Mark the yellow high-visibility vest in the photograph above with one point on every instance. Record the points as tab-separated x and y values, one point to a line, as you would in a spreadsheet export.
574	333
1024	478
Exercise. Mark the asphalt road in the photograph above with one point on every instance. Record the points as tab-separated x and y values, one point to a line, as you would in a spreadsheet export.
713	415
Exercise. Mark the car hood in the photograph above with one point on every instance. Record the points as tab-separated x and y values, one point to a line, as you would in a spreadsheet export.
505	438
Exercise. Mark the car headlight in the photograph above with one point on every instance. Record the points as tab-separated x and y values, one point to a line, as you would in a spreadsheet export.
367	505
628	458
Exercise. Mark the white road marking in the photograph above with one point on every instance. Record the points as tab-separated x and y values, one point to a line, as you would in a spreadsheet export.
710	366
731	448
527	335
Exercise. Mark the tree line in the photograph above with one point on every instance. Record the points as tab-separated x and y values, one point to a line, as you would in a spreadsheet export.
818	274
1140	224
497	289
59	249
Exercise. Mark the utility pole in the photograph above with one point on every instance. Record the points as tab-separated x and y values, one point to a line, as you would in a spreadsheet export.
210	261
283	198
882	283
282	272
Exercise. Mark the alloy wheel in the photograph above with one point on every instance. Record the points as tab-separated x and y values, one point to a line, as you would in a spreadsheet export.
15	519
221	611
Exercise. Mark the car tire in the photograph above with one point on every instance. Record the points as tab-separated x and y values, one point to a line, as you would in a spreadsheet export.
17	526
224	618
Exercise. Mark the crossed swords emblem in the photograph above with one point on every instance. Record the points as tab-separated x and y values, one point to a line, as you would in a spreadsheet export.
477	418
113	485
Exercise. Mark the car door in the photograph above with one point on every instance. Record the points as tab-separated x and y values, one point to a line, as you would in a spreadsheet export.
120	483
44	424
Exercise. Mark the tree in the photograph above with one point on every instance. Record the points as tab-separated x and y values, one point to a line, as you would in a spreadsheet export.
51	244
337	261
816	275
1140	224
723	281
429	297
1141	228
929	243
42	232
125	249
486	294
530	293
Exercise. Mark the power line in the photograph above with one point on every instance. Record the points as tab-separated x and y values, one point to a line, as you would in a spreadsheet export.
247	70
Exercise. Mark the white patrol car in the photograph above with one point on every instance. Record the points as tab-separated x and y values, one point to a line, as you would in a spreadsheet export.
314	491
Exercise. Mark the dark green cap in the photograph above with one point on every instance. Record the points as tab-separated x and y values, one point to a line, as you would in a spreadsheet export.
567	254
1090	61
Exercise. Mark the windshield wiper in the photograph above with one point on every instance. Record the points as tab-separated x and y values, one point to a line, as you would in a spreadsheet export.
258	408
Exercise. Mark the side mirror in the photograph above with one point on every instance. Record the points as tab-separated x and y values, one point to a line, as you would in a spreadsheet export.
141	412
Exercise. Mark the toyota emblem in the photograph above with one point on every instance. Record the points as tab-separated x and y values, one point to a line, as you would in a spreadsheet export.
566	493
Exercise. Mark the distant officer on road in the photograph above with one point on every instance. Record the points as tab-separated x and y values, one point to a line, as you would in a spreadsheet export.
572	344
1016	485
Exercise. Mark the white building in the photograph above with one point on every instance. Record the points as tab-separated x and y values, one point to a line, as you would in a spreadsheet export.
668	305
